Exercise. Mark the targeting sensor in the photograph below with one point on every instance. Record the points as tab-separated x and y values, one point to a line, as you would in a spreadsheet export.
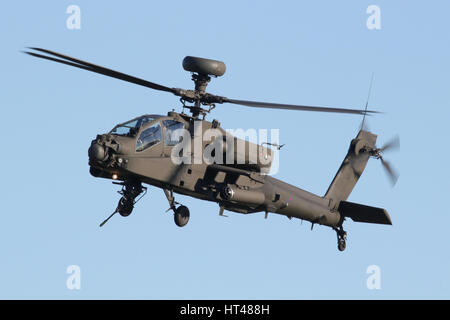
204	66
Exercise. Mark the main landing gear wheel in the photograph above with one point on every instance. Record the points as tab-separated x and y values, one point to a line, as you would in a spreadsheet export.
181	213
341	238
181	216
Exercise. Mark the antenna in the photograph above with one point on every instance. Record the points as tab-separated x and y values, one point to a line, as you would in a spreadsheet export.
367	101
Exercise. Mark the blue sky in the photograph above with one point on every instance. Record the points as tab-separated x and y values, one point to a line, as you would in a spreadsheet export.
317	53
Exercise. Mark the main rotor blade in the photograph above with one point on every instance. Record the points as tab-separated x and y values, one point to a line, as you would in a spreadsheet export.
63	59
97	69
365	125
296	107
393	144
393	176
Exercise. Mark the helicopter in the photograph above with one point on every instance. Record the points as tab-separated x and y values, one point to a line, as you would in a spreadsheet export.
157	150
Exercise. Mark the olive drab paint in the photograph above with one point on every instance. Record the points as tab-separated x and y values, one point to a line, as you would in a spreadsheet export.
186	154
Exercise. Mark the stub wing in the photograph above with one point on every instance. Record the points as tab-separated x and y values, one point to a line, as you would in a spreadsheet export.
362	213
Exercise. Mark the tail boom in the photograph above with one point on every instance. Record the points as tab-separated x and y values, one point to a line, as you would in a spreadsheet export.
351	168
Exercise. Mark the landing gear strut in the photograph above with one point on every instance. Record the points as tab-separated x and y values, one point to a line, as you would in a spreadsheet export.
131	189
341	238
180	213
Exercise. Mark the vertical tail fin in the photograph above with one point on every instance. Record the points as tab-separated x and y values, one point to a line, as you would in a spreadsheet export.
351	168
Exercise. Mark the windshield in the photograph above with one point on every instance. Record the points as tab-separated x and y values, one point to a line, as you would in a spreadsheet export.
130	128
149	137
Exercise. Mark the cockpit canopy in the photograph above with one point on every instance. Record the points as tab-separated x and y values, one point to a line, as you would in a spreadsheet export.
156	129
130	128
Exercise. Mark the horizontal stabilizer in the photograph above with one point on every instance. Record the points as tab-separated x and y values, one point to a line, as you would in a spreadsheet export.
361	213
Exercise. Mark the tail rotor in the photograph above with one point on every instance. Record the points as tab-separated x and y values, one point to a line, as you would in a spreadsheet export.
393	144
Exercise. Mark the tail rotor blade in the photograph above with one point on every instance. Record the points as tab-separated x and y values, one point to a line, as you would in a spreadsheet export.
393	144
392	174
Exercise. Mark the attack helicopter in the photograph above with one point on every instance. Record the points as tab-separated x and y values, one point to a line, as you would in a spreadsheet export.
146	150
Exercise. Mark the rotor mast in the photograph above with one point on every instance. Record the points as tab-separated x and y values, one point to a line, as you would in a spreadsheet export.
202	69
201	82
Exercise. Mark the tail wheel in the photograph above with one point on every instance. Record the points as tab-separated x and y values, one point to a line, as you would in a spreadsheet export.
341	238
341	245
181	216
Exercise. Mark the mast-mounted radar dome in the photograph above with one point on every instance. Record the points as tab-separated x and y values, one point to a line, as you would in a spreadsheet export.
204	66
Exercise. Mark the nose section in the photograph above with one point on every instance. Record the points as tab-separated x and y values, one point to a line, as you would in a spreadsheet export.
97	152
